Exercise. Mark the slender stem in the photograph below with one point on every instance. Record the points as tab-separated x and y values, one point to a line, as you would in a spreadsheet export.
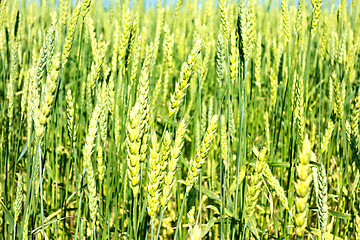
180	214
160	221
41	192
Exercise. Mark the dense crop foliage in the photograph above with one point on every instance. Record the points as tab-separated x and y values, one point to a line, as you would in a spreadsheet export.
185	120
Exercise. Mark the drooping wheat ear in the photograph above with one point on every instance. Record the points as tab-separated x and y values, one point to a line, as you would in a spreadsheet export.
234	57
186	72
339	91
285	19
275	185
175	153
327	137
154	173
165	151
258	62
353	144
88	150
70	113
85	8
41	115
19	198
302	187
320	183
220	59
299	16
224	26
224	141
133	142
317	4
69	39
201	155
299	106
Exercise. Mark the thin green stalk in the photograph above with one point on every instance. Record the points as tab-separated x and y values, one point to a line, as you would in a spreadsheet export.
180	214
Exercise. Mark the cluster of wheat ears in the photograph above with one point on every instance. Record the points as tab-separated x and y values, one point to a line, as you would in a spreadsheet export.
215	119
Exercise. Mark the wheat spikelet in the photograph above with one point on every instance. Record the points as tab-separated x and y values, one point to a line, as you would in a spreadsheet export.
355	116
165	151
70	35
100	160
339	91
327	137
224	141
201	155
258	62
302	188
135	62
299	16
250	27
299	106
220	59
274	184
233	58
224	26
321	189
133	142
317	4
168	59
41	115
285	19
353	144
254	190
154	177
97	66
173	164
187	70
87	152
85	8
64	6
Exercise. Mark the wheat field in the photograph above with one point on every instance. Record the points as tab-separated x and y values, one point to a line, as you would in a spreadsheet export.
197	119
